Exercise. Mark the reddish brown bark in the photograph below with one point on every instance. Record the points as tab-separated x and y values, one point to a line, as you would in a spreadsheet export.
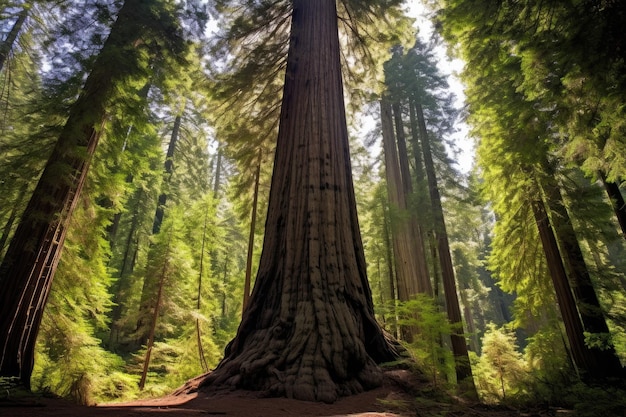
255	203
416	235
309	330
567	305
587	302
459	344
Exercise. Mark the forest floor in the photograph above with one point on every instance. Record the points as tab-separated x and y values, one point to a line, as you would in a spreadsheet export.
402	395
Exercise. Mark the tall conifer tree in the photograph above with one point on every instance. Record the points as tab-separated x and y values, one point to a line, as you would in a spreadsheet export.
309	330
28	267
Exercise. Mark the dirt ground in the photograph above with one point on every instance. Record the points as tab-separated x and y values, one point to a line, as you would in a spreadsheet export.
398	397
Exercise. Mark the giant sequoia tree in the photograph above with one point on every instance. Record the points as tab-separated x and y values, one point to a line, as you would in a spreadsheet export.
309	330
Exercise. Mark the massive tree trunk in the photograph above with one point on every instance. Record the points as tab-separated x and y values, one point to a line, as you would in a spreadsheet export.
309	330
459	345
31	260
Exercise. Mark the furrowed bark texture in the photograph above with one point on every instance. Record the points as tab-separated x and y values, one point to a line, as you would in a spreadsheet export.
309	330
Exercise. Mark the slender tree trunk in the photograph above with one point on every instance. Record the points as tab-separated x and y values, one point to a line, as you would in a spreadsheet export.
617	202
391	271
309	331
147	303
218	173
588	304
416	236
459	344
7	44
155	318
169	169
255	201
122	284
201	356
31	260
581	355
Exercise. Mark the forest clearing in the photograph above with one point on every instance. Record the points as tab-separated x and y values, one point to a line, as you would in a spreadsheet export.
258	206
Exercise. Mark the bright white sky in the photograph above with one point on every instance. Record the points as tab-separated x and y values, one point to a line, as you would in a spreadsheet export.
451	68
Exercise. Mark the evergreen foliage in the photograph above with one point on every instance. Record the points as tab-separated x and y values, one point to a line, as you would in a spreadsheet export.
545	90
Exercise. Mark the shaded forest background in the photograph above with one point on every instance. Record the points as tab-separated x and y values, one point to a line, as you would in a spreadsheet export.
162	247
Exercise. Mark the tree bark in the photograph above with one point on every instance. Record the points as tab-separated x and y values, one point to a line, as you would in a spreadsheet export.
147	304
391	271
201	355
309	331
122	284
405	264
424	284
169	169
31	260
617	202
218	173
583	357
459	344
587	301
155	317
255	202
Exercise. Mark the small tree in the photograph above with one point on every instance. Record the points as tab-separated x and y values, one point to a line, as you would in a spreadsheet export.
501	364
421	312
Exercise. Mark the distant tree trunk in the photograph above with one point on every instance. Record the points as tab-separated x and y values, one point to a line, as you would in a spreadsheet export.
617	202
587	300
31	260
155	318
113	228
7	44
147	303
391	271
218	173
408	267
309	331
117	217
416	237
122	284
169	169
255	201
201	356
459	344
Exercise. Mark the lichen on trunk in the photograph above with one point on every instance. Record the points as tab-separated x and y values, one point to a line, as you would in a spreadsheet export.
309	331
